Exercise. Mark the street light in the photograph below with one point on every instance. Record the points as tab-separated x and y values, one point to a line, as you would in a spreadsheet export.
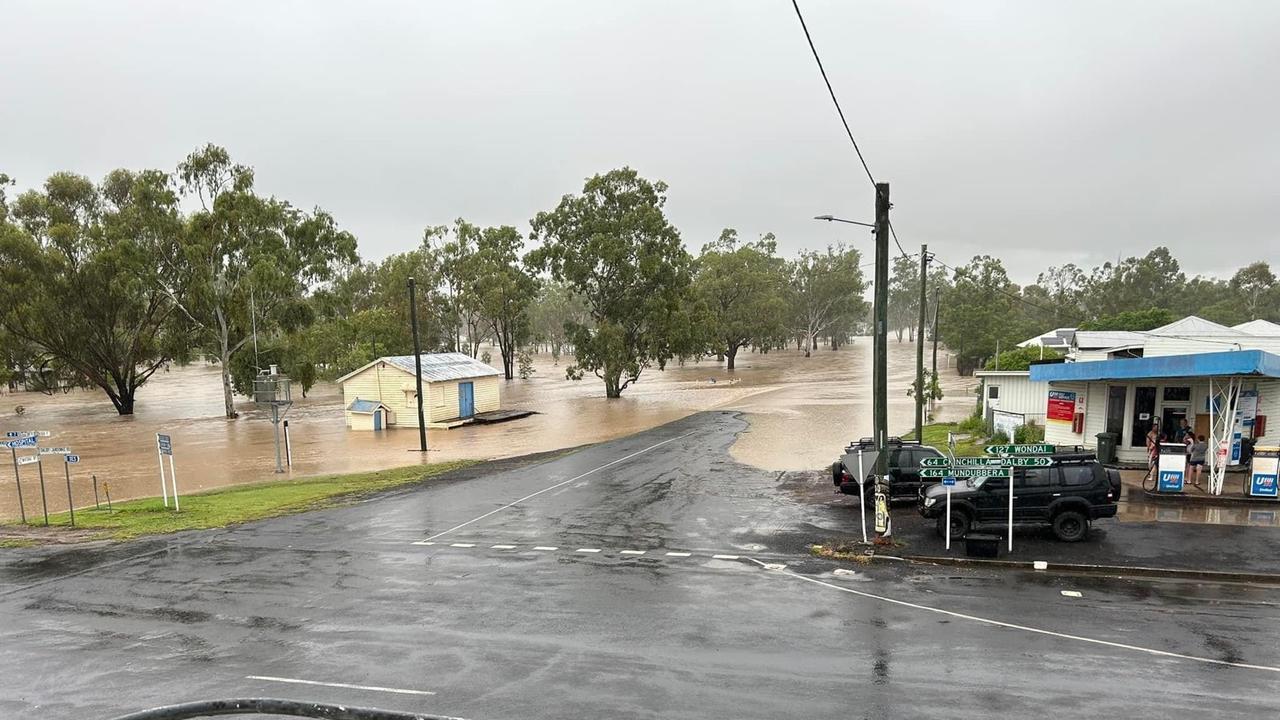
832	218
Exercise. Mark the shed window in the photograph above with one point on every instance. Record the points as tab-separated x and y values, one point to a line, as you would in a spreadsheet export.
993	392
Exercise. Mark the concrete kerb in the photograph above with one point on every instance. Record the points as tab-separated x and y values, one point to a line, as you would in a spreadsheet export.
1177	498
1087	569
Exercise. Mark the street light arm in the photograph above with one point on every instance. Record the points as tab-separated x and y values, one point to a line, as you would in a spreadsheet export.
832	218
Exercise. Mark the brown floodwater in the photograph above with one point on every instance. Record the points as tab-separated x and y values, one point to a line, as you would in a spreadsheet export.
801	413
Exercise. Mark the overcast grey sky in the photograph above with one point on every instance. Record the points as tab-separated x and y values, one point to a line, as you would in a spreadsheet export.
1040	132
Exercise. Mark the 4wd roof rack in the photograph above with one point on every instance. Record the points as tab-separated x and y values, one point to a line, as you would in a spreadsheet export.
871	442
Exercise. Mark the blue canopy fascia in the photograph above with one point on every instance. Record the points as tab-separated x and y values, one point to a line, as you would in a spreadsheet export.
1244	363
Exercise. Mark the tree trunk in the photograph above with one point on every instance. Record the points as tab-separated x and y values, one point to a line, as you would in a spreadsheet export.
612	380
122	400
733	353
224	357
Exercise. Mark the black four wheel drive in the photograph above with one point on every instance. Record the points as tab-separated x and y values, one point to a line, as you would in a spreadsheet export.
904	467
1067	496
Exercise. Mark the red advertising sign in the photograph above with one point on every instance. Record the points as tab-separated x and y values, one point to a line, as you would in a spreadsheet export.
1062	405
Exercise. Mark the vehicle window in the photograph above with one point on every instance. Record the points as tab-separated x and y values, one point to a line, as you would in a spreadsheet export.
900	458
1032	477
991	482
1077	475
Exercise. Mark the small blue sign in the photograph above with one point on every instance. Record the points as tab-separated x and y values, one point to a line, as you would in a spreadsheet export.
1264	486
73	458
14	434
22	442
948	481
1170	481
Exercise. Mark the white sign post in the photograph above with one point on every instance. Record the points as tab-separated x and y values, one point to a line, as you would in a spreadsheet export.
164	446
862	497
948	482
1010	509
69	459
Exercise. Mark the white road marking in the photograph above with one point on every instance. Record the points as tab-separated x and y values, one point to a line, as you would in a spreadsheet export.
424	542
502	547
1072	593
1015	626
375	688
678	554
463	545
557	485
633	552
587	550
547	548
724	557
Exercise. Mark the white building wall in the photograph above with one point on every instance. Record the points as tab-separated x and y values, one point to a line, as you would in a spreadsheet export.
1018	394
1269	405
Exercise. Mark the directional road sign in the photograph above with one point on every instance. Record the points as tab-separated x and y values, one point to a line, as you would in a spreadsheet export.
55	451
24	442
73	458
943	462
969	472
1027	461
166	444
949	480
25	433
28	459
1036	449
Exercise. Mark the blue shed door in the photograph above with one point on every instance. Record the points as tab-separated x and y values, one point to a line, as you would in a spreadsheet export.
466	399
377	419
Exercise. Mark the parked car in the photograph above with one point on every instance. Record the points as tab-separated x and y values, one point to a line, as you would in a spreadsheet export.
1067	496
904	467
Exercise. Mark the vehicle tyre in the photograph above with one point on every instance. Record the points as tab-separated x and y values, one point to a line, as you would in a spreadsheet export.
837	471
1070	526
960	524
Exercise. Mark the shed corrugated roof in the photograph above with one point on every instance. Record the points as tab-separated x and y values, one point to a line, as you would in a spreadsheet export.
1098	339
435	367
364	406
443	366
1264	328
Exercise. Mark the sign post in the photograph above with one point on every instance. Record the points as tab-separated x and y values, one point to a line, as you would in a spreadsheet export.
163	445
1010	548
288	448
948	482
1005	451
66	466
862	496
13	445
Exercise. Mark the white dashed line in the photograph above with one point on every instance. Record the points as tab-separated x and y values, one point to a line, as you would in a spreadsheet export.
463	545
1072	593
546	548
678	554
587	550
633	552
724	557
424	542
1014	626
502	547
558	485
375	688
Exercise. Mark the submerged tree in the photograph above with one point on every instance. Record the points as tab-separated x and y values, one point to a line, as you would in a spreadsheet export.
743	290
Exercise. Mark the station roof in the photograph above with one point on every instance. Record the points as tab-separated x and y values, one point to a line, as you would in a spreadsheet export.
1254	363
436	367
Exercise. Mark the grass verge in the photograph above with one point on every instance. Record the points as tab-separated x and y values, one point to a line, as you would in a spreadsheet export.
232	505
935	435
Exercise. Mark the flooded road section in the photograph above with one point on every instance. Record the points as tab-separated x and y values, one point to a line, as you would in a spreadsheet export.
801	411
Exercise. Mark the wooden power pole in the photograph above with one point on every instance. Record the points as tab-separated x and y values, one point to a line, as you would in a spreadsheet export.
417	366
880	372
924	279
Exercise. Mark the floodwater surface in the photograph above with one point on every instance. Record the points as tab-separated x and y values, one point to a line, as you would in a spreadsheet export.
801	412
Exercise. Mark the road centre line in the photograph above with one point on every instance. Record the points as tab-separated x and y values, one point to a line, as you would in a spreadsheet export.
547	548
348	686
633	552
587	550
724	557
1015	626
557	485
678	554
502	547
462	545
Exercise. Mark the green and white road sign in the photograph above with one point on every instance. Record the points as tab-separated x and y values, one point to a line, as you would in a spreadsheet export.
1036	449
1027	461
935	462
964	472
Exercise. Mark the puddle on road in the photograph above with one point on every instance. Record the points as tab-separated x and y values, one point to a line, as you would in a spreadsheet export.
801	410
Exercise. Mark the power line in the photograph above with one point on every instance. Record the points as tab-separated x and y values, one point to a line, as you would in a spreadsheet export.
840	111
1004	292
821	69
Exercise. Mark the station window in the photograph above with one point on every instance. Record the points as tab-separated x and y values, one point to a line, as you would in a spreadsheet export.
1177	394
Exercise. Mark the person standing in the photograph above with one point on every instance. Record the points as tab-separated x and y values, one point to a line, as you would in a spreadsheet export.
1153	451
1196	458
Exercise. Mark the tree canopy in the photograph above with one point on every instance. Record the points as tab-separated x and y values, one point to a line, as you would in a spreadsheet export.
742	289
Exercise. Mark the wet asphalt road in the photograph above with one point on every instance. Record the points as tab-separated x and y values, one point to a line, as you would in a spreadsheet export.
344	596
